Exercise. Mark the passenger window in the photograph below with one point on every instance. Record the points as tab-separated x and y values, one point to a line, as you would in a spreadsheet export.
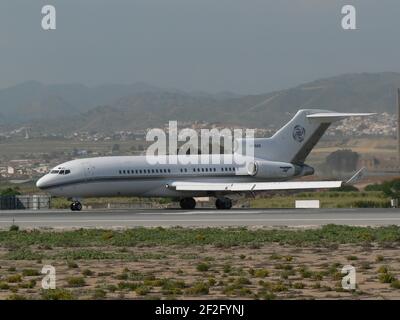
206	169
152	170
194	169
185	170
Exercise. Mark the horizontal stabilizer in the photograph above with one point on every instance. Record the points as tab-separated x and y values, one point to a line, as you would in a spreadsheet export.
336	116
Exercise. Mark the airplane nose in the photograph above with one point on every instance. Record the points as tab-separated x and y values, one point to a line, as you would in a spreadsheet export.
41	183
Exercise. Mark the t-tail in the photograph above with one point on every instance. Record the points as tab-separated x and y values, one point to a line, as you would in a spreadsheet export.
295	140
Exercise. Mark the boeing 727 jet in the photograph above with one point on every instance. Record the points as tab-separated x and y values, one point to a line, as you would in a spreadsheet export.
277	160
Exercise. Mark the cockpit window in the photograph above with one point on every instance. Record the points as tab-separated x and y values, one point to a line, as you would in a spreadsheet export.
67	172
61	172
54	171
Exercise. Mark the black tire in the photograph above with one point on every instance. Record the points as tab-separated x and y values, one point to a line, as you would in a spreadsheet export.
72	206
219	204
223	203
228	203
78	206
188	203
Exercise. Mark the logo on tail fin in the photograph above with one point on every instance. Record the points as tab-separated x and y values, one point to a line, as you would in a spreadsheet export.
298	133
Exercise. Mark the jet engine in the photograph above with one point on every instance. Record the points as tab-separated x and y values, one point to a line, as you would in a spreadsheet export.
277	170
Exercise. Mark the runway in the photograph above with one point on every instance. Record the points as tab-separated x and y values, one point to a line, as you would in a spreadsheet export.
129	218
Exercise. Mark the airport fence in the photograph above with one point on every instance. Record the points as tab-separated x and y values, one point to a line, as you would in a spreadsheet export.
19	202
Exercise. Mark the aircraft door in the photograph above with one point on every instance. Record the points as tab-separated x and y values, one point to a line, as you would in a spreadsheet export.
88	170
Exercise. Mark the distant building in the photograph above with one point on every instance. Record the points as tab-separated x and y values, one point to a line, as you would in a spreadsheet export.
369	162
10	170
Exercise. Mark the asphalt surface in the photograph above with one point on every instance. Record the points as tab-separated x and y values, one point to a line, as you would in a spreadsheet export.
197	218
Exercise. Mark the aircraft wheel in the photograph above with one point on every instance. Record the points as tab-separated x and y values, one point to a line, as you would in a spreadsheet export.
76	206
188	203
223	203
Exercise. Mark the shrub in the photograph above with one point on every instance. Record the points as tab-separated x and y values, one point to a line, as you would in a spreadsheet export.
76	281
266	295
4	286
14	228
243	281
199	288
379	258
14	278
279	287
87	272
298	285
371	204
30	272
28	285
202	267
142	290
112	288
127	285
99	294
395	284
227	268
261	273
351	258
72	264
57	294
16	297
383	269
386	278
305	273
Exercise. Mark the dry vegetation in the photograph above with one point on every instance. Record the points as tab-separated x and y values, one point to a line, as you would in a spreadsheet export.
201	263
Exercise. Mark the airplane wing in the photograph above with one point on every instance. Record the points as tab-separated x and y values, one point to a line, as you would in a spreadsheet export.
252	186
262	186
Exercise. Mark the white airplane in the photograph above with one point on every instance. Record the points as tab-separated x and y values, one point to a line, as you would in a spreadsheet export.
276	160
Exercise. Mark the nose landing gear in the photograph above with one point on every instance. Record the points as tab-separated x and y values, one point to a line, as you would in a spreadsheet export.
76	206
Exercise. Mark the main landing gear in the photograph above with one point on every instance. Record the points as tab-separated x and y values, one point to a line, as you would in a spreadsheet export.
223	203
76	206
188	203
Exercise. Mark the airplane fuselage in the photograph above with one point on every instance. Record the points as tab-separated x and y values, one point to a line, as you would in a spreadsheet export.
135	176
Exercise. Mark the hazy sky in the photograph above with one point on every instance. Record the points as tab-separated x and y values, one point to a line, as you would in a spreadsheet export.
244	46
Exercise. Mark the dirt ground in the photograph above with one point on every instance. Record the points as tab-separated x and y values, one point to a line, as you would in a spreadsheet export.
270	271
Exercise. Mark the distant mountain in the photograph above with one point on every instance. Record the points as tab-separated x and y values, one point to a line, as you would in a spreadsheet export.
33	100
115	107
